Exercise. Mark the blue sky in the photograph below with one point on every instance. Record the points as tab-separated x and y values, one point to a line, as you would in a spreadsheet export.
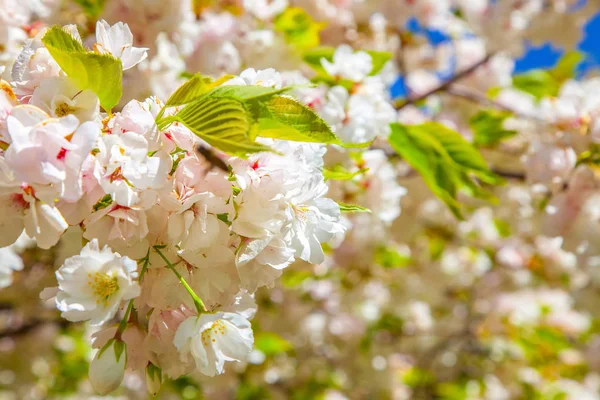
544	56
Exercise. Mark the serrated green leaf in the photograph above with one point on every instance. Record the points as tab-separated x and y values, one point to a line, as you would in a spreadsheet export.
446	161
193	88
487	127
246	93
287	119
224	123
298	28
271	343
352	208
100	73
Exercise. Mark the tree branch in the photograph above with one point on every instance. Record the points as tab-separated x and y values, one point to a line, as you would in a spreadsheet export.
445	85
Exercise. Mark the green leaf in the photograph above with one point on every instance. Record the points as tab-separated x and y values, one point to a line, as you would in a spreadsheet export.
538	83
352	208
547	83
292	279
224	217
487	126
224	123
339	173
388	257
91	8
192	89
287	119
313	58
231	117
101	73
271	343
248	93
298	28
446	161
380	58
566	68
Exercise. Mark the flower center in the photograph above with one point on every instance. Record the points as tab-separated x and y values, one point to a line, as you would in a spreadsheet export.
63	109
103	286
210	333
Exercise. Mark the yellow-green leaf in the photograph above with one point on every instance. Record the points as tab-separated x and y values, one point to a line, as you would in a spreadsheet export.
298	28
101	73
224	123
285	118
271	343
446	161
488	129
352	208
193	88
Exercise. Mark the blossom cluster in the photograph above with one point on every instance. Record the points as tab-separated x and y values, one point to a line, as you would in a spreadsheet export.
185	241
469	270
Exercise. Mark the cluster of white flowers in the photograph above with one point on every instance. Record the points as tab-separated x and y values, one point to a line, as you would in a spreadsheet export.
185	242
177	237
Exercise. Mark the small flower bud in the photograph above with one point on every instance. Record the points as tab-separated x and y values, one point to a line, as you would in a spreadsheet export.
108	367
153	379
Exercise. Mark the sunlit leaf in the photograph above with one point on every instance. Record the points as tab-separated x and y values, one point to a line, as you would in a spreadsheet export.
224	123
446	161
287	119
488	129
352	208
101	73
271	343
298	28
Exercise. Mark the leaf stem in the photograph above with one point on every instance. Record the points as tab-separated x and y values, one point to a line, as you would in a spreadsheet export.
123	323
197	300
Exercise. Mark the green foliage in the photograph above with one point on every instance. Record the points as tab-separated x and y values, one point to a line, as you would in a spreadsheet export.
223	123
186	387
446	161
285	118
250	391
339	173
231	117
193	88
100	73
547	83
292	279
388	322
487	126
71	365
271	343
91	8
352	208
416	377
298	28
387	257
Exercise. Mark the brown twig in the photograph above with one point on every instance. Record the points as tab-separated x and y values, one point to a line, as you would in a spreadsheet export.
478	98
25	328
445	85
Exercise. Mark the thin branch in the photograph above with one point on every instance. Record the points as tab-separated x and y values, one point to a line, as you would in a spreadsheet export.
478	98
444	86
25	328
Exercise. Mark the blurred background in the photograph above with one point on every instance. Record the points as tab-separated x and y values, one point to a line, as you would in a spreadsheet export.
414	303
